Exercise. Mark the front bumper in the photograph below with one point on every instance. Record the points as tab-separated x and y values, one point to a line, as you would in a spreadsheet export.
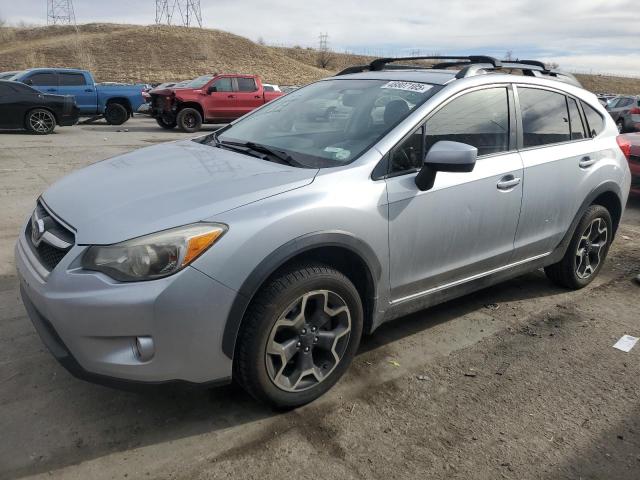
90	323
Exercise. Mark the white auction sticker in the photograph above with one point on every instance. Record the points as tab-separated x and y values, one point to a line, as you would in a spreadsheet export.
408	86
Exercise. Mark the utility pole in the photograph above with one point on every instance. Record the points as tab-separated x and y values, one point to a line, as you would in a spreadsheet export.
60	12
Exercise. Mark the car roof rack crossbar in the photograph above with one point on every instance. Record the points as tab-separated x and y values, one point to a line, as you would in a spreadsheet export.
380	64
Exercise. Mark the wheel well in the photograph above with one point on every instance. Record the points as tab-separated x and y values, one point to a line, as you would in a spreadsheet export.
41	108
122	101
344	260
197	106
611	202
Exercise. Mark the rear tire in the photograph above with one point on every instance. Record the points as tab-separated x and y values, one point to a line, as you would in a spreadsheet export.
166	123
40	121
298	336
586	252
116	114
189	120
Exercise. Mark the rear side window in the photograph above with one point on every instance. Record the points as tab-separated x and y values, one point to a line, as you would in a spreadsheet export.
224	85
479	118
247	85
545	118
71	79
43	79
594	120
575	120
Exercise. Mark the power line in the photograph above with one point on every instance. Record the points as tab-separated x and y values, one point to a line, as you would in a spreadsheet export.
60	12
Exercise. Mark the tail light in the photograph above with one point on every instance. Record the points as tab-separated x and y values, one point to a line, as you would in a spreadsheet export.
625	145
635	111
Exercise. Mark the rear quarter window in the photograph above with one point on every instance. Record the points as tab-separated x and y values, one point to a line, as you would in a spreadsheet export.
594	120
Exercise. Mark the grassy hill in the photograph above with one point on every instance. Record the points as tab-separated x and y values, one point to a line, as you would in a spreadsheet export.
155	54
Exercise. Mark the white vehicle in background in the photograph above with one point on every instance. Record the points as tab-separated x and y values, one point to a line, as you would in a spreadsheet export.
268	87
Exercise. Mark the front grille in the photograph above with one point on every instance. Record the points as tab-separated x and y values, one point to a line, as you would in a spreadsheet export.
48	254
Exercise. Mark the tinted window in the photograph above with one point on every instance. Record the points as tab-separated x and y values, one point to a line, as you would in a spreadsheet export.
247	85
69	79
43	79
268	88
224	85
409	155
595	121
624	102
577	128
545	119
479	118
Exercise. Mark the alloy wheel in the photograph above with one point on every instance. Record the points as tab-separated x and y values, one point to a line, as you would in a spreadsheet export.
308	341
41	121
590	247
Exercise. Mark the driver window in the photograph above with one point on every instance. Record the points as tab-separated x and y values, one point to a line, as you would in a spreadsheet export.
224	85
409	154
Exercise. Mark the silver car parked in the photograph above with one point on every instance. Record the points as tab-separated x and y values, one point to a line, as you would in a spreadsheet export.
264	251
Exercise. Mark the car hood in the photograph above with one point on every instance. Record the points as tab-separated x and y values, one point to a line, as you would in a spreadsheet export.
164	186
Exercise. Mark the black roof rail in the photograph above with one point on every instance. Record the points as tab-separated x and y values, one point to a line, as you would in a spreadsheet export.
380	63
471	65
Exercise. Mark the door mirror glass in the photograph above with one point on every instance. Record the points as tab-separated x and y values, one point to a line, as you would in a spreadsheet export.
212	88
446	156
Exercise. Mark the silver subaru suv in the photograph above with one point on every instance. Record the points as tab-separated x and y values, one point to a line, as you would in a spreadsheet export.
263	252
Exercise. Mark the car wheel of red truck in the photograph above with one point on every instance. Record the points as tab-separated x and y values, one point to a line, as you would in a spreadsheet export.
189	120
116	114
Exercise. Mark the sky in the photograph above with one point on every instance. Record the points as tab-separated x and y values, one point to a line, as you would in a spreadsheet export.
580	35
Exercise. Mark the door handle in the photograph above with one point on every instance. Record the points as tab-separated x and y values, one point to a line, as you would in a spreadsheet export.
231	96
508	182
257	96
88	90
51	89
586	162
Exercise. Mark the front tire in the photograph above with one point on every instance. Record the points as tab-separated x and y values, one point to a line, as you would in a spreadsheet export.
587	250
116	114
168	123
298	336
189	120
40	121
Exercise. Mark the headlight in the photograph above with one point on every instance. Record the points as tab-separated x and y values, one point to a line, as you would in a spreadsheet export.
153	256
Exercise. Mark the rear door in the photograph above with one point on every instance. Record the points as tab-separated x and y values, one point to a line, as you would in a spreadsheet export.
248	96
44	81
465	225
220	104
75	83
559	158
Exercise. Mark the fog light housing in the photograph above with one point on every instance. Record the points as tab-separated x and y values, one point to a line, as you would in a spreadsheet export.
144	348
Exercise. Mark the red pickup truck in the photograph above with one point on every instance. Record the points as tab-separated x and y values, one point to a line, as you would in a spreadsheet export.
208	99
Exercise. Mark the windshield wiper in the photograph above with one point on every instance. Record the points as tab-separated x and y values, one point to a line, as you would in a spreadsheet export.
248	147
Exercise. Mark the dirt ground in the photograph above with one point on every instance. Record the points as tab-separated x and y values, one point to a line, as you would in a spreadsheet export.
518	381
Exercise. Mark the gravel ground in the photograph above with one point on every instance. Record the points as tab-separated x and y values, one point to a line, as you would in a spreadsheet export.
516	381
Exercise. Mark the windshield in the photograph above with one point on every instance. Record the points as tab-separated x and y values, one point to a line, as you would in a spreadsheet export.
329	123
199	82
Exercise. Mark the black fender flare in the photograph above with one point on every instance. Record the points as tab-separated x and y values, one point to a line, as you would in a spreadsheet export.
279	257
605	187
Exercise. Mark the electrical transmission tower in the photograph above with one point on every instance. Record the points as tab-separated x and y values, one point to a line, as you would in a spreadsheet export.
189	11
163	12
60	12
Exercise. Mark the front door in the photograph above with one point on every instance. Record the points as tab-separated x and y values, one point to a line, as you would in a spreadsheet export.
220	103
465	225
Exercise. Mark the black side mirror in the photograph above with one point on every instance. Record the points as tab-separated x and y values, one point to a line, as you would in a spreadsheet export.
445	156
211	89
